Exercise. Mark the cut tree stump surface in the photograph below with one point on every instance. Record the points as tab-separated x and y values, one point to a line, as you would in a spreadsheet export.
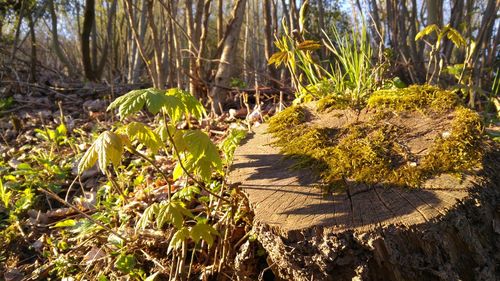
287	199
447	230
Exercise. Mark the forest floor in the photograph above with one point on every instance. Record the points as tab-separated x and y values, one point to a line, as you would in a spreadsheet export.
38	170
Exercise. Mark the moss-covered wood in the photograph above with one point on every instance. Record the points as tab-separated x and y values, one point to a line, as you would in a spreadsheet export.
376	151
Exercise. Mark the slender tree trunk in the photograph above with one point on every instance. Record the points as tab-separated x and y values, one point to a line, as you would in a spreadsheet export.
435	12
268	41
18	31
157	63
376	25
99	64
202	46
193	48
94	40
138	62
246	41
88	20
220	20
482	38
55	39
457	14
140	47
33	68
286	16
227	56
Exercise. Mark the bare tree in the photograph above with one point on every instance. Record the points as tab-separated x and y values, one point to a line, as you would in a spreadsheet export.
228	47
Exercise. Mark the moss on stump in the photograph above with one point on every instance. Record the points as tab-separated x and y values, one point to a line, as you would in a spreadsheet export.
376	151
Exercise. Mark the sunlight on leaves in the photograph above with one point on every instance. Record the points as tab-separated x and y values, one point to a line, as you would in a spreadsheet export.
107	148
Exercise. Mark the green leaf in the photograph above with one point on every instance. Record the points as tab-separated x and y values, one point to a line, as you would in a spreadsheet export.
89	158
4	195
309	45
202	156
175	108
107	148
161	131
129	103
24	166
115	240
65	223
125	263
179	236
62	130
138	131
172	212
147	216
426	31
154	100
203	231
231	141
200	146
177	172
455	37
187	193
191	104
278	58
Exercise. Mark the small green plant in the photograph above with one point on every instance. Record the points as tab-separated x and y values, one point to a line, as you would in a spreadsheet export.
58	135
6	103
435	60
353	72
5	195
198	163
350	77
238	83
297	56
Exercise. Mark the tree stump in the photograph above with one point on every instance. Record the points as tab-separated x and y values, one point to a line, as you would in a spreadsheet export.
447	230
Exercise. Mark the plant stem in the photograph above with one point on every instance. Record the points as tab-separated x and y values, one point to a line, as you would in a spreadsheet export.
59	199
200	184
150	161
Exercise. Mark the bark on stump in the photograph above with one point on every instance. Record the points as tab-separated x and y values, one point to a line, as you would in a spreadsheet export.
449	230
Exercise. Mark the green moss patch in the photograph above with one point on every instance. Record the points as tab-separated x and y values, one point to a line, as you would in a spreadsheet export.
333	102
461	149
416	97
377	151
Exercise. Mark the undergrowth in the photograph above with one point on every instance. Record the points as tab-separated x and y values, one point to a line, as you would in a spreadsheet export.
162	211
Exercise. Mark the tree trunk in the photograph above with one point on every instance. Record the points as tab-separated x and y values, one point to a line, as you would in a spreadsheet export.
435	12
485	30
200	69
55	39
129	11
268	42
33	59
19	22
220	20
456	19
227	56
88	22
159	81
447	230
